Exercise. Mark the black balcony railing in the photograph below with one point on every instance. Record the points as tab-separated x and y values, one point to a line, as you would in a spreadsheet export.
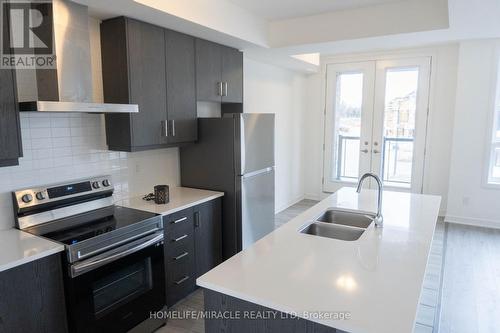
396	159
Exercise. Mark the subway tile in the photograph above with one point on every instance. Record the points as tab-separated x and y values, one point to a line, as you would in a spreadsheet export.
40	154
42	143
37	133
60	132
63	161
25	133
40	123
61	152
77	131
25	122
60	122
61	142
76	122
44	163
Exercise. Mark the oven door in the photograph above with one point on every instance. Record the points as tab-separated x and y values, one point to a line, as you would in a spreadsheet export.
118	289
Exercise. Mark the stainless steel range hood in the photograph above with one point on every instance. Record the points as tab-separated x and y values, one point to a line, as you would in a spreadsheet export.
68	87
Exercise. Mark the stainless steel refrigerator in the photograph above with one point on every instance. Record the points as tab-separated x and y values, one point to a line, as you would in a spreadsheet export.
235	154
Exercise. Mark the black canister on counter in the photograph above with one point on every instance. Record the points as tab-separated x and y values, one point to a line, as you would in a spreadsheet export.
161	194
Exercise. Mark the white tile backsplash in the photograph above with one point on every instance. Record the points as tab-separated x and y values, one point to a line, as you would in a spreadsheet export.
63	146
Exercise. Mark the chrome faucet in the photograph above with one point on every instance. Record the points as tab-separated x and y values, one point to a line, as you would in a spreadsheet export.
379	220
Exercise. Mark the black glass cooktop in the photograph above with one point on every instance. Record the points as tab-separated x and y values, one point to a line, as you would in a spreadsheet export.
122	217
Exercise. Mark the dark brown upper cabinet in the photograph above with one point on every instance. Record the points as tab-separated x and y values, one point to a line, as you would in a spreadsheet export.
155	68
219	73
10	130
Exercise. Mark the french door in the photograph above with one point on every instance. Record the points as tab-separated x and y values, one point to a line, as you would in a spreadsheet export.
376	116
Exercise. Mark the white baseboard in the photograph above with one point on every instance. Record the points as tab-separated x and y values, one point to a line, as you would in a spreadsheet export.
290	203
486	223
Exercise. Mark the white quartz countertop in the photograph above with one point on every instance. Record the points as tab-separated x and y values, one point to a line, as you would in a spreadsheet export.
376	279
180	198
18	248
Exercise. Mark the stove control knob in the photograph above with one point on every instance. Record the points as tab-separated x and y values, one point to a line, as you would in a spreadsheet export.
96	185
27	198
105	183
40	196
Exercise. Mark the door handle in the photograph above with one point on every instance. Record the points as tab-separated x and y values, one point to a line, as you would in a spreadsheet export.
164	127
180	220
364	151
225	88
179	238
173	127
219	89
184	279
181	256
196	219
375	151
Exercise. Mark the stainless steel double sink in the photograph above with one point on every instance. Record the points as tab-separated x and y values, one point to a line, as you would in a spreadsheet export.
342	224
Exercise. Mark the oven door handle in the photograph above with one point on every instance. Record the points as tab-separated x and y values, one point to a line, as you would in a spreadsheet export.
118	253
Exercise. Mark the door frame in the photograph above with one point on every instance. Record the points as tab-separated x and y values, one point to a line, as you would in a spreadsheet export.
431	53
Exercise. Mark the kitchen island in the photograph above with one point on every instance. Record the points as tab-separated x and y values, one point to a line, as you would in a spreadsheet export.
311	283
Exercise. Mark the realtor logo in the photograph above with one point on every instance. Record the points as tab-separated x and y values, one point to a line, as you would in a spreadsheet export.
27	34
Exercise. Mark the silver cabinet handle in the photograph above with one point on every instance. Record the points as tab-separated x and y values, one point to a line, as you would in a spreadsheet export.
364	151
173	127
179	238
225	88
179	220
181	256
164	127
184	279
219	89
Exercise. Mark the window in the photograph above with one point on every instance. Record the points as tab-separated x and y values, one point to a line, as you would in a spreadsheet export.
494	167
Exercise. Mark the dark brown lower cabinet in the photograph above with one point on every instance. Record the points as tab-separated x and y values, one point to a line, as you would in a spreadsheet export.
32	297
269	321
192	247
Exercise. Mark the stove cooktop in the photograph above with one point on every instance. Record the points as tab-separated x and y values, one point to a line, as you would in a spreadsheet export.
121	218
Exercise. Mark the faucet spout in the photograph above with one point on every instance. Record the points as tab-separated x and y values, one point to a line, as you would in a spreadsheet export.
379	220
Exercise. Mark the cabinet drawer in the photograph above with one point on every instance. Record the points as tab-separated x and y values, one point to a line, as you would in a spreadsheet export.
180	276
175	248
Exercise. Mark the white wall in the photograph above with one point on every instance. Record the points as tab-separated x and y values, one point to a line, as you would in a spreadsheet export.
469	201
442	102
270	89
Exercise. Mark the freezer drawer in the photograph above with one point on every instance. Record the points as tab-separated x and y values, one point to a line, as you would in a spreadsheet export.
257	205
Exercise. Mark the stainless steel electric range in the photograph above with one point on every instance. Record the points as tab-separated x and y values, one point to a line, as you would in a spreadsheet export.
114	266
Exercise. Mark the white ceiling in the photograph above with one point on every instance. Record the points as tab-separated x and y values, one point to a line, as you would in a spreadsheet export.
283	9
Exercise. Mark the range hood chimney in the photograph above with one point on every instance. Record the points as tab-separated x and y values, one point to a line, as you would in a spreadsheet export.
68	87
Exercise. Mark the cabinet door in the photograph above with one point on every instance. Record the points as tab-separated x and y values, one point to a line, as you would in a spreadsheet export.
181	87
147	82
208	71
33	297
207	234
232	75
10	141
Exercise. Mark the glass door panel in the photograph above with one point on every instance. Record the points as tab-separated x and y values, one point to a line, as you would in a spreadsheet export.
347	125
348	113
400	118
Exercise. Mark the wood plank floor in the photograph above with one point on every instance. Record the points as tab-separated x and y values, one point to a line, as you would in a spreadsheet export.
470	295
471	286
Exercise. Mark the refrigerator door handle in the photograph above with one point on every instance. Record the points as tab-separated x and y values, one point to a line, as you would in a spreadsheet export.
258	172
